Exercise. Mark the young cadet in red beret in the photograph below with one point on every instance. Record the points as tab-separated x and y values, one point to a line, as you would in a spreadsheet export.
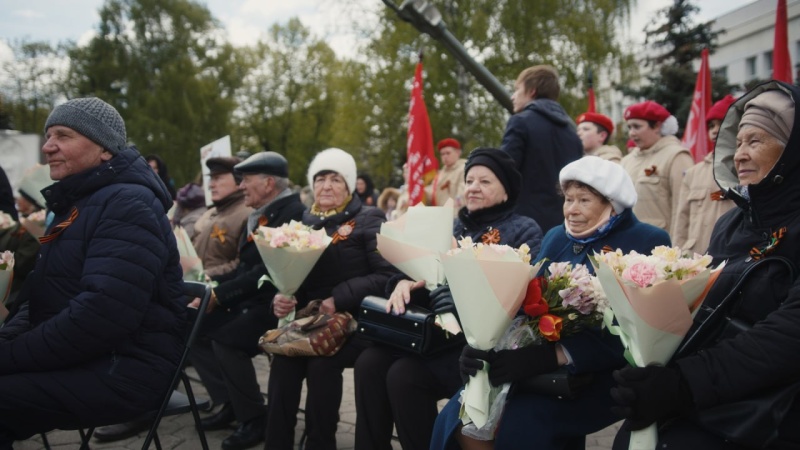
657	163
449	181
700	201
595	130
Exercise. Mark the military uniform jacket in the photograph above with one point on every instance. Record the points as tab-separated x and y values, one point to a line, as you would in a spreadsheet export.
657	174
218	233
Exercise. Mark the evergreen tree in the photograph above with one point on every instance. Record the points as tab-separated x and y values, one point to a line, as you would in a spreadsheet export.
676	42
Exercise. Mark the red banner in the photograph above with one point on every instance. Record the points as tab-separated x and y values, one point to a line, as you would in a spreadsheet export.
781	61
695	137
422	162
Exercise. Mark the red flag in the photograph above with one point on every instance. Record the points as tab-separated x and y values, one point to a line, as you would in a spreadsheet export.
781	61
695	137
592	108
422	162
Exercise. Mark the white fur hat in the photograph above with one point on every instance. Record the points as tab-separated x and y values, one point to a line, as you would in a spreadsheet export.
337	160
606	177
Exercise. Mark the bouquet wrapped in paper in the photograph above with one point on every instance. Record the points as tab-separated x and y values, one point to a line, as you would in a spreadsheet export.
191	263
289	252
488	284
6	276
415	242
34	223
653	299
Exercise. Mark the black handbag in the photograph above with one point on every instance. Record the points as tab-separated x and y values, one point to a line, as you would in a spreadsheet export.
414	331
559	383
753	421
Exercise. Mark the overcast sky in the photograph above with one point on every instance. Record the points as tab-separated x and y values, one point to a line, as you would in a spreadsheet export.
247	20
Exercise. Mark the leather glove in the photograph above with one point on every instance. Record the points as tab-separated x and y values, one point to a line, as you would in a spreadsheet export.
441	300
647	394
507	366
471	361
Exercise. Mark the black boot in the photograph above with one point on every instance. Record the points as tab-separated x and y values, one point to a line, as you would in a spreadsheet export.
219	421
120	431
247	435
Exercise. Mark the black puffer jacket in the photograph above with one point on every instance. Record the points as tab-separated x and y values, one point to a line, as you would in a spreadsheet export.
498	224
109	286
767	354
351	267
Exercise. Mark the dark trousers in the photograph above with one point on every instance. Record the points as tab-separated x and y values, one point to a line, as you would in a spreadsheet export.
222	356
323	375
93	394
401	390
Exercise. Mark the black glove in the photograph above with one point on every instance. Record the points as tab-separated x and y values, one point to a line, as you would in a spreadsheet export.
441	300
511	365
471	361
648	394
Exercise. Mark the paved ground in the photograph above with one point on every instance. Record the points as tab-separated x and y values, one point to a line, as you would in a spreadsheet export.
178	432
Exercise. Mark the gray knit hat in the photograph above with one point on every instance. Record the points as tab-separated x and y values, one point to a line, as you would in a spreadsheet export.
93	118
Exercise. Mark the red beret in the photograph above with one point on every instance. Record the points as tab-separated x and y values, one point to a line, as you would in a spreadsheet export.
449	142
718	110
599	119
648	110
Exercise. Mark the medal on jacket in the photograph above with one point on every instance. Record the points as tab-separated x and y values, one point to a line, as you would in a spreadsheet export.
344	231
577	248
491	237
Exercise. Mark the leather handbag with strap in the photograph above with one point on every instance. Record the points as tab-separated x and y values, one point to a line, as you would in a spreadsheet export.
752	421
312	334
415	331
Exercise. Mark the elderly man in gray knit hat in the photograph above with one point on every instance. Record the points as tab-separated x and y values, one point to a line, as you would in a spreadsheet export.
101	328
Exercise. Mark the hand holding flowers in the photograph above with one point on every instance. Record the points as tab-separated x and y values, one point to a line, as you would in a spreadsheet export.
652	300
289	252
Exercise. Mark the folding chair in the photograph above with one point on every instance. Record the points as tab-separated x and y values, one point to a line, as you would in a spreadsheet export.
175	402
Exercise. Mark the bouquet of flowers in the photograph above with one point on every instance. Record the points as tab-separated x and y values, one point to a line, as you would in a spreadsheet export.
191	263
653	299
488	283
414	244
34	223
289	252
565	301
6	275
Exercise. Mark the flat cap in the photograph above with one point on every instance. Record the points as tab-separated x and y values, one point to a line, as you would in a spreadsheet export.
222	164
268	163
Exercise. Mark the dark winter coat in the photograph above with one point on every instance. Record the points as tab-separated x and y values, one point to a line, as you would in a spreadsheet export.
542	140
244	313
554	421
766	355
591	351
351	267
106	315
498	224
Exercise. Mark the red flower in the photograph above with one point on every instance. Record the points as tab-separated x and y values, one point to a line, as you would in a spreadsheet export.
550	327
535	305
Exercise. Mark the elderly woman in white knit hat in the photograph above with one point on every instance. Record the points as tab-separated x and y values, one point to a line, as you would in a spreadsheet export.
657	163
598	197
349	270
734	383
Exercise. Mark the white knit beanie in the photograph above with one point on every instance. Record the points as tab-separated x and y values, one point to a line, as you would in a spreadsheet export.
606	177
337	160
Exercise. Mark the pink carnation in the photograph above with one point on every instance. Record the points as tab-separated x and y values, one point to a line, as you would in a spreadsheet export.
640	273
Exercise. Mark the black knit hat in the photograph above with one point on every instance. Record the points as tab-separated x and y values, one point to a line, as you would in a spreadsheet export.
503	167
93	118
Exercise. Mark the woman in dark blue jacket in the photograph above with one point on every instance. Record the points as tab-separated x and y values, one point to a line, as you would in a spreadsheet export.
598	197
102	332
